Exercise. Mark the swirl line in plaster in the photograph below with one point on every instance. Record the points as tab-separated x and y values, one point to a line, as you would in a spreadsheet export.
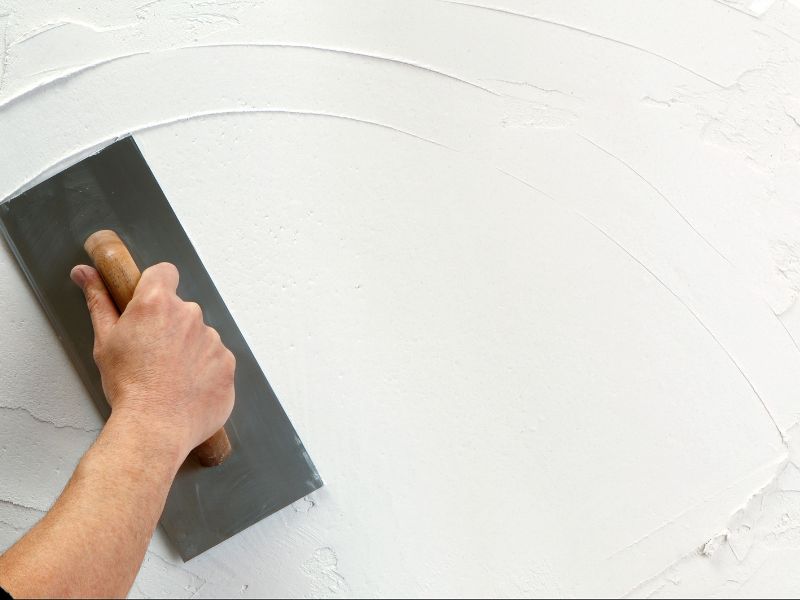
704	326
672	292
659	192
599	36
112	59
91	149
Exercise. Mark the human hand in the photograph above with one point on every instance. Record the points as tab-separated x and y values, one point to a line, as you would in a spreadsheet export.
163	370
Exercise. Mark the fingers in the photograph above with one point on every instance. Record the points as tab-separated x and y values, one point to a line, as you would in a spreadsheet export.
101	307
163	277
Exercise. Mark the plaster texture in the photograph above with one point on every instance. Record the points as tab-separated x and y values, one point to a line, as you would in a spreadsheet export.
525	279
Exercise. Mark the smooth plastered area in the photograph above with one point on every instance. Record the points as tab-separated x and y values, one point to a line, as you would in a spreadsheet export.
524	275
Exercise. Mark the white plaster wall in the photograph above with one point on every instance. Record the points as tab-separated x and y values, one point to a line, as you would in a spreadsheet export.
526	279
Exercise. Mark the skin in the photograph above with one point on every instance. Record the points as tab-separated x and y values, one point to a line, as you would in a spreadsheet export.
169	381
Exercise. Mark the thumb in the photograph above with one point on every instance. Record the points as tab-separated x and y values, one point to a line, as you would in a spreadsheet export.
102	309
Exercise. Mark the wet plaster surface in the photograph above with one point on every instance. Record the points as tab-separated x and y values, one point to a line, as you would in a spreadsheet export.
523	274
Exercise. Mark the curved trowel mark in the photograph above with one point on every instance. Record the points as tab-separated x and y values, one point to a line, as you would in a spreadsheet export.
592	34
86	151
75	71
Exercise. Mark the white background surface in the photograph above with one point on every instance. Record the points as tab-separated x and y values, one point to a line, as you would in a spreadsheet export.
524	275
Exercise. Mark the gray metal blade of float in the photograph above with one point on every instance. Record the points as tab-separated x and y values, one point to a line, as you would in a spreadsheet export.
46	227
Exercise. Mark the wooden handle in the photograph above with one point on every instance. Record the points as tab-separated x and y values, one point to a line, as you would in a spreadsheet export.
116	266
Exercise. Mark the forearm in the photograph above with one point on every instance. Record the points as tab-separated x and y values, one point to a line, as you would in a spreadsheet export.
93	540
170	383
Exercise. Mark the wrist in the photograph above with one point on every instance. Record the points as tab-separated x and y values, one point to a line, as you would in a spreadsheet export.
145	441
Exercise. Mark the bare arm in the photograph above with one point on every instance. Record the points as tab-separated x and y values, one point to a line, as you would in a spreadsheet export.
169	381
93	540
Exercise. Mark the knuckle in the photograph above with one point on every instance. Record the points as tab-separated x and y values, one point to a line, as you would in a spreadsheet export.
169	272
150	272
153	298
159	275
164	268
230	360
194	310
213	335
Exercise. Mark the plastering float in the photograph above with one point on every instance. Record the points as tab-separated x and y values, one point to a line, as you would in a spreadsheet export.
109	207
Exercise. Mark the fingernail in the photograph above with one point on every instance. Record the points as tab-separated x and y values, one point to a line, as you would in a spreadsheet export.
78	276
